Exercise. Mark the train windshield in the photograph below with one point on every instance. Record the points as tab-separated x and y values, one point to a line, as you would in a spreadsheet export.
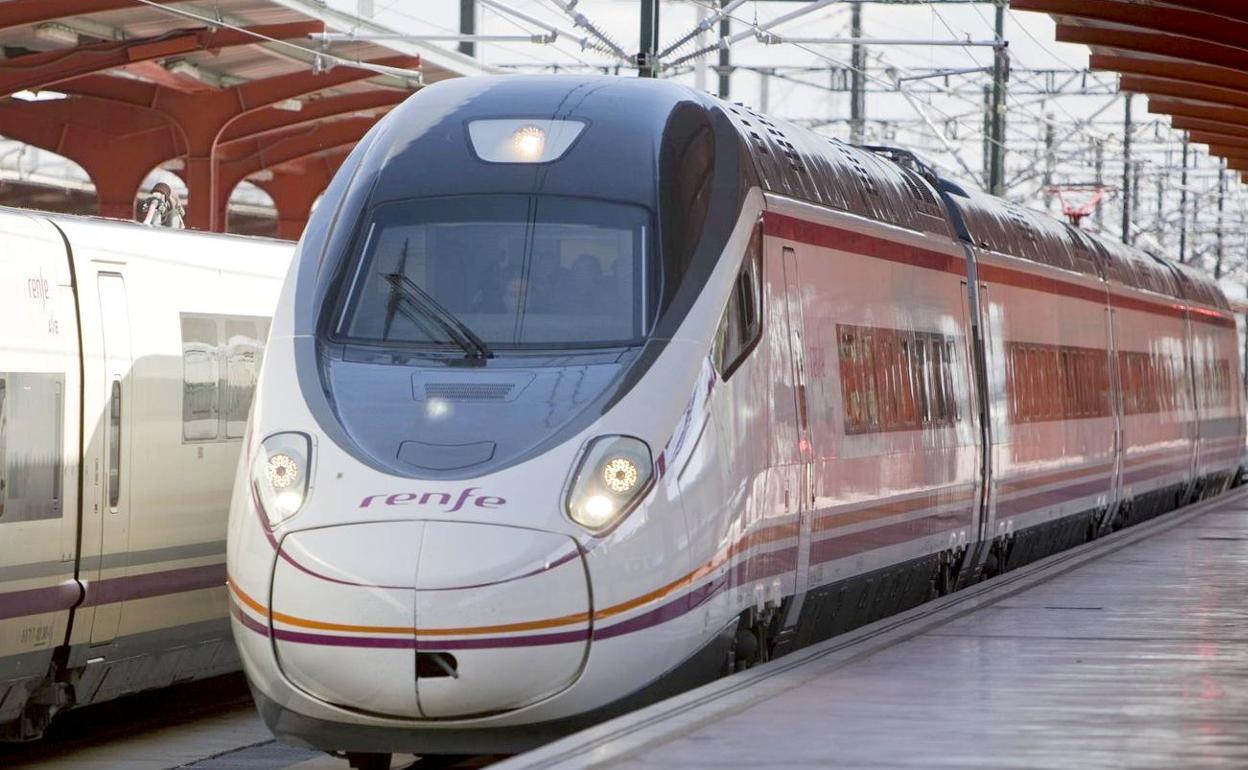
500	272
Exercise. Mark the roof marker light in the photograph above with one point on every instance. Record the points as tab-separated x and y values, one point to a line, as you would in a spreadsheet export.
522	140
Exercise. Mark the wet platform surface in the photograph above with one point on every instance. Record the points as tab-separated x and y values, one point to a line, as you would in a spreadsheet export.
209	725
1128	652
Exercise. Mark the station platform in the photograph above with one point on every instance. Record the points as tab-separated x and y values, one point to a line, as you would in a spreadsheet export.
1131	651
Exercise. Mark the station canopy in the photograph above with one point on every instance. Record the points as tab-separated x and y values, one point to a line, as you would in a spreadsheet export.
218	92
1190	57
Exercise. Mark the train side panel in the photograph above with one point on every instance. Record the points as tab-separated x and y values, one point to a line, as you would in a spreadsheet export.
39	382
1158	413
1216	380
891	441
1047	349
174	326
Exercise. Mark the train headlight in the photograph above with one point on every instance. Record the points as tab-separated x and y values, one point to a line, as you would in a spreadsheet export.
613	474
280	474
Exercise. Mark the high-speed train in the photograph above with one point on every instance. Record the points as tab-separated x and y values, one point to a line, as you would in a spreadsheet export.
128	358
582	390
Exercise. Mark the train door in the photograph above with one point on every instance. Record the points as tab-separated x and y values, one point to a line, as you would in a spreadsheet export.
987	400
803	505
1115	387
115	502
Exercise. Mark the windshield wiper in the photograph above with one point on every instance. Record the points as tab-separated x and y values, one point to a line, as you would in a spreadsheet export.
404	288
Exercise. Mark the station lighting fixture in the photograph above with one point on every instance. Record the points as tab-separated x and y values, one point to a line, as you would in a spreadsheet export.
53	32
614	473
38	96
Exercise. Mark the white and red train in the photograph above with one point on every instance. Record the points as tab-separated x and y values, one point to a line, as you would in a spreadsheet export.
581	390
128	356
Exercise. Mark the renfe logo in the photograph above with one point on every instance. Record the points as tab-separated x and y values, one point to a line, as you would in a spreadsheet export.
437	498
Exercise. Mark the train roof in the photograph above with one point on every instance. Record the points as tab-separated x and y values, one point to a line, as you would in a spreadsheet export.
798	163
892	186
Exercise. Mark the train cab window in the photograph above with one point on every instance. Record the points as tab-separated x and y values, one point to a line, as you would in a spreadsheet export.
688	161
741	324
516	271
114	445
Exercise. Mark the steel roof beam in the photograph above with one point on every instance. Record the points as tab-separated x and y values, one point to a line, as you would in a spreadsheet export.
40	70
316	140
203	118
1209	127
1232	115
1181	89
1169	20
20	14
1157	44
1173	69
272	120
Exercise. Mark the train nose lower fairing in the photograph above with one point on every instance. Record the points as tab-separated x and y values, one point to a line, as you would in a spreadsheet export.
430	619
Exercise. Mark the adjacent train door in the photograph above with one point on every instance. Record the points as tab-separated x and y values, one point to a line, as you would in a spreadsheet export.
114	467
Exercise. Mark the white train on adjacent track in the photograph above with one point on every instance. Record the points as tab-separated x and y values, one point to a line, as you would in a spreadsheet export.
128	358
582	390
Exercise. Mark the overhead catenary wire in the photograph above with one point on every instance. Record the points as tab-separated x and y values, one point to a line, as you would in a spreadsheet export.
580	20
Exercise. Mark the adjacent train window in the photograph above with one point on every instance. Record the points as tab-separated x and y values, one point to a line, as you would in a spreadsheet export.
1054	382
221	358
741	324
114	445
200	376
244	344
895	379
31	445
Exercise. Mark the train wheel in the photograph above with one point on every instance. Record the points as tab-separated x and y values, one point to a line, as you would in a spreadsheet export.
369	761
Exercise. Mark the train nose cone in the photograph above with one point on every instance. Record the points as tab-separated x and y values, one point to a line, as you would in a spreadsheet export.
430	619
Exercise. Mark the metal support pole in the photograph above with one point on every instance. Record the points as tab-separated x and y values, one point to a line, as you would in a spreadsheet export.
699	64
1183	204
1217	265
764	90
647	67
1135	195
468	25
1127	198
1049	160
1000	76
725	61
1098	155
988	138
857	87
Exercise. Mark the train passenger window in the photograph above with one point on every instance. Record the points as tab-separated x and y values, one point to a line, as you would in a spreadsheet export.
243	347
918	364
114	445
200	376
221	357
741	325
31	445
